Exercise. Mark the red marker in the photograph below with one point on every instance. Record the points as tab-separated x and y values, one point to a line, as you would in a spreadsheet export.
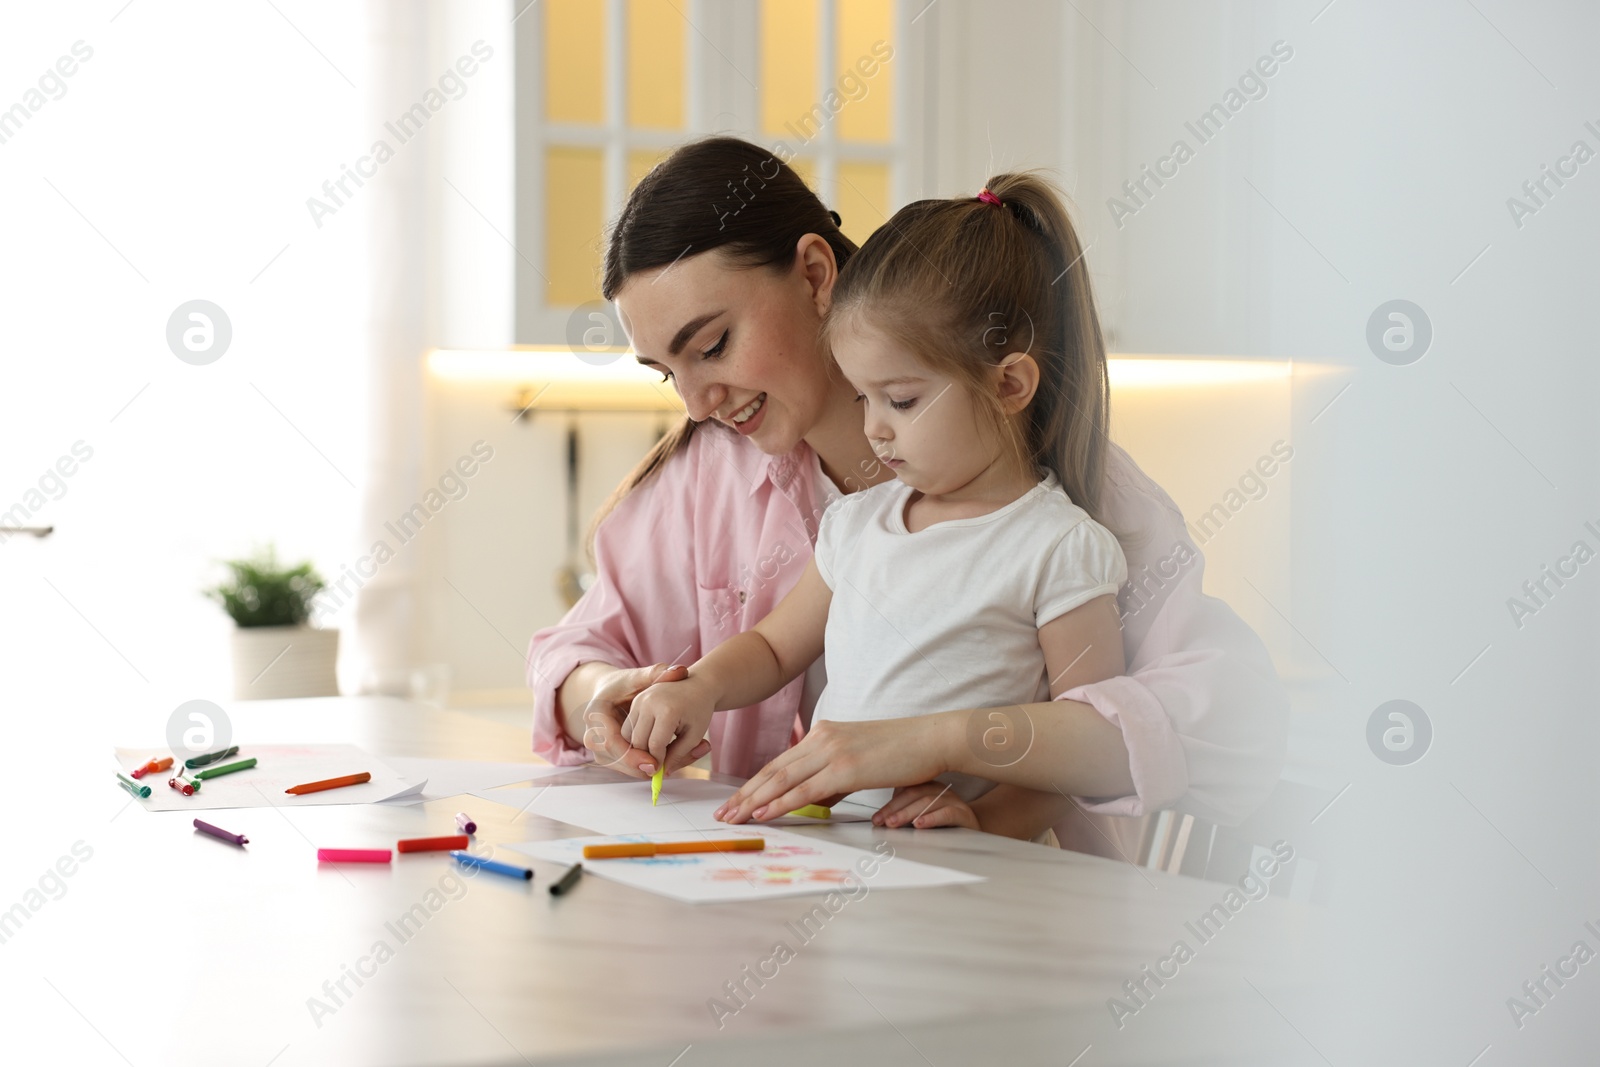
184	786
433	844
152	767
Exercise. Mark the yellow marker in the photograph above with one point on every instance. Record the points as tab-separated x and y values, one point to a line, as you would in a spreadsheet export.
812	811
655	784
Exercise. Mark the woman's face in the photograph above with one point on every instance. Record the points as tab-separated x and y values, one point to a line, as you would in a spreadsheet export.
740	344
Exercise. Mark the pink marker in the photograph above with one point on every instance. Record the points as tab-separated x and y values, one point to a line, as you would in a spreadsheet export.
353	855
464	821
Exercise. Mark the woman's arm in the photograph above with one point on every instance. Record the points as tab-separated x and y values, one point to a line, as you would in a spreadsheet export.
1081	646
1204	715
574	694
641	613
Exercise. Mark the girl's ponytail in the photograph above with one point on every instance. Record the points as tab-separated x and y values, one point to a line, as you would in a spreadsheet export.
1070	418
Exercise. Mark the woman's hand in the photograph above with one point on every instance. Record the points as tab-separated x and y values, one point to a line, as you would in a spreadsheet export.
924	807
835	759
603	715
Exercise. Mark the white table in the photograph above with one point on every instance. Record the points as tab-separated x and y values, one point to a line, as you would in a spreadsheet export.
168	947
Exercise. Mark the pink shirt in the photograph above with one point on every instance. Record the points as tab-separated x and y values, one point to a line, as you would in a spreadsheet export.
708	546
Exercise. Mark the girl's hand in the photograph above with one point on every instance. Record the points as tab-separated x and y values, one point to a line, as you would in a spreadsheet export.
603	715
835	759
675	713
926	806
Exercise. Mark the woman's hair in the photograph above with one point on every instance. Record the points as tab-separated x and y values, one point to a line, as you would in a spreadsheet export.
963	283
715	194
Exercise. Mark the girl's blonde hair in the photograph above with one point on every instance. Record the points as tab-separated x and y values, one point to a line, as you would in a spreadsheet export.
965	282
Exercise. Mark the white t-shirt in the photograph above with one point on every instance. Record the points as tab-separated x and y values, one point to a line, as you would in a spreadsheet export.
948	617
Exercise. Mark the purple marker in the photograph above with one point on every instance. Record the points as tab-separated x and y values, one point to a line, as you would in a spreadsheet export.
465	824
217	831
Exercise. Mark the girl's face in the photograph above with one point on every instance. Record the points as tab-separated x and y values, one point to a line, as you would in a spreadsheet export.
924	425
739	344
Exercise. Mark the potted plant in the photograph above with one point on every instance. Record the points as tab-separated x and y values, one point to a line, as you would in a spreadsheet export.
276	653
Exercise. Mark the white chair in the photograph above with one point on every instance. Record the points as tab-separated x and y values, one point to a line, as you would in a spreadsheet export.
1182	844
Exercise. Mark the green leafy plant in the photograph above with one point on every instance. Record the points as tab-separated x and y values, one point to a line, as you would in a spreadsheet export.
262	592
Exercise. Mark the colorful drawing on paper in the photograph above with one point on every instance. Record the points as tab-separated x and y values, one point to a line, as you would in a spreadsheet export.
663	861
791	865
778	874
782	851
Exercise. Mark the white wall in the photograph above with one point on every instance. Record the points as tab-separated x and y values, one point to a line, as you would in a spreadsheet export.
176	166
1424	495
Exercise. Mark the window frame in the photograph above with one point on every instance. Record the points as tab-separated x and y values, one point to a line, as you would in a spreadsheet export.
722	43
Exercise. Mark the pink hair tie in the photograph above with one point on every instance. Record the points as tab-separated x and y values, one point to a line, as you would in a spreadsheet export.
989	198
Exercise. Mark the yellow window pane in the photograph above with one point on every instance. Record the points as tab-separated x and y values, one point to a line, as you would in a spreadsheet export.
789	41
656	48
573	183
640	160
863	199
866	36
574	61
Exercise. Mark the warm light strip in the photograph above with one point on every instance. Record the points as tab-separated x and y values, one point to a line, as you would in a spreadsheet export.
1163	372
560	365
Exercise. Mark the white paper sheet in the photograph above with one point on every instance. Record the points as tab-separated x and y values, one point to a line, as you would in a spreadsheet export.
449	778
261	786
791	865
624	808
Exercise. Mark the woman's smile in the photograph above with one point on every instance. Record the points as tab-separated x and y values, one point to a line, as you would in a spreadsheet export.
748	418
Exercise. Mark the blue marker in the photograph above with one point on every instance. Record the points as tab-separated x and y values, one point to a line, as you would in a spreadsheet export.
506	869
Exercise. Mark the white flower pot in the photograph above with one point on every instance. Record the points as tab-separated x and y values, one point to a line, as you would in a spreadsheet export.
273	662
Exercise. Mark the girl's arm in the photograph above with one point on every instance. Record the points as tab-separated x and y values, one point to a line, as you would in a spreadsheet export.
1067	747
749	668
744	670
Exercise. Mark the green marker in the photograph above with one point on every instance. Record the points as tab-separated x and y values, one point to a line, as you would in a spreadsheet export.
227	768
138	790
655	784
210	757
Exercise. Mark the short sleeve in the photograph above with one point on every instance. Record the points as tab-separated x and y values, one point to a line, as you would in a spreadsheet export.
1086	562
828	534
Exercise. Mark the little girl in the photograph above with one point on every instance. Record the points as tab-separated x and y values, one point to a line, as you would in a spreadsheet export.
977	578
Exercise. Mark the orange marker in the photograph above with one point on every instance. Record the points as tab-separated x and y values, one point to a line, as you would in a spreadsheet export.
433	844
330	783
652	848
151	767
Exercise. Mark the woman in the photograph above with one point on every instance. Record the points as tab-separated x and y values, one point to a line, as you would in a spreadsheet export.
722	265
